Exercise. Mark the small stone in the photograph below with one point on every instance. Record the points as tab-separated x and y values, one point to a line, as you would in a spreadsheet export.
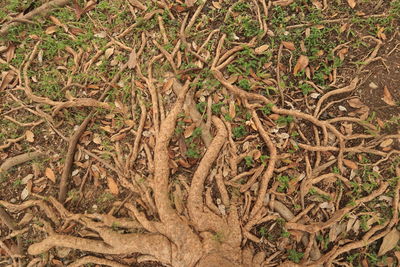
13	200
373	85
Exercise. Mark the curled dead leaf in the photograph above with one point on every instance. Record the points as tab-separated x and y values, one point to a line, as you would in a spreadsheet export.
389	242
51	29
355	103
217	5
112	185
8	77
261	49
352	3
132	61
301	64
282	2
289	45
50	174
387	97
350	164
30	137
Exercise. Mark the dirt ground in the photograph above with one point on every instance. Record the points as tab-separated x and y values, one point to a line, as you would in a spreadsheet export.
199	133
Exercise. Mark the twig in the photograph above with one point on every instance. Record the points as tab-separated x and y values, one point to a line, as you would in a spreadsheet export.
11	162
43	9
70	158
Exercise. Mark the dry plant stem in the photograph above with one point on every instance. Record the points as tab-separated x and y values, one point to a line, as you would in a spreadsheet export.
194	17
9	142
345	89
270	169
45	8
195	199
338	215
139	132
14	161
153	93
62	193
162	29
186	240
96	260
278	75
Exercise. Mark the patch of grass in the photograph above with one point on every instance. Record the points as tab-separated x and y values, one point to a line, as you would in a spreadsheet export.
295	256
239	131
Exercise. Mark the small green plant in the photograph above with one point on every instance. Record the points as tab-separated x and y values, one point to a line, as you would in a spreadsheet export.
283	183
266	110
295	256
245	84
239	131
17	183
249	161
305	88
283	120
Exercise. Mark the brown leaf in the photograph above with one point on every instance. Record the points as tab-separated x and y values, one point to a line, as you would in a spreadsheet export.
355	103
10	52
56	21
112	185
7	79
301	64
387	97
232	110
282	2
132	61
190	3
138	4
168	84
217	5
352	3
261	49
342	52
350	164
389	242
30	137
51	29
152	13
189	130
50	174
317	4
289	45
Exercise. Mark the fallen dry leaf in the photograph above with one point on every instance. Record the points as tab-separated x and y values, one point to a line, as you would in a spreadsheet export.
7	79
108	53
289	45
386	143
132	61
51	29
10	52
282	2
261	49
137	4
389	242
112	185
387	97
355	103
352	3
217	5
301	64
30	137
350	164
190	3
50	174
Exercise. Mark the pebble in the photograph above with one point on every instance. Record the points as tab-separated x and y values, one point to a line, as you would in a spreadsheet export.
13	200
373	85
